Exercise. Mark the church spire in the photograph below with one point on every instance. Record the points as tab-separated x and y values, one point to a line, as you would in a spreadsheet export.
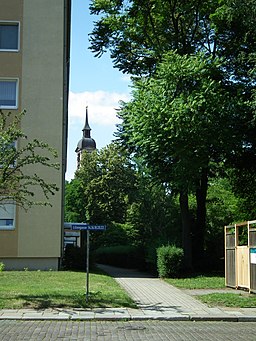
86	143
86	130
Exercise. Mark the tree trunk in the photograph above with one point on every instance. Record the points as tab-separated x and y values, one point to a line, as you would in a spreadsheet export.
186	230
200	225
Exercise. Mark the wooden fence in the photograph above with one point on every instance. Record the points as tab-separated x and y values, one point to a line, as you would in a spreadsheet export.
240	255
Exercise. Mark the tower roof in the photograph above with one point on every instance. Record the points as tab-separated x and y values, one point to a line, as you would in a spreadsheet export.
86	129
86	143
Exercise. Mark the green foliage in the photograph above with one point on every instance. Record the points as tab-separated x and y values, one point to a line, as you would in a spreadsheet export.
117	234
126	256
74	258
110	188
233	23
2	266
108	181
197	110
138	33
169	261
243	235
222	209
180	119
74	202
17	181
243	182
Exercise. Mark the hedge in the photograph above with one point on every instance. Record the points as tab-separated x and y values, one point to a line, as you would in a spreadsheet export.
126	256
169	261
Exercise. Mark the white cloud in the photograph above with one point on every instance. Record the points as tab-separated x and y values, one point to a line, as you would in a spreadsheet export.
126	78
102	106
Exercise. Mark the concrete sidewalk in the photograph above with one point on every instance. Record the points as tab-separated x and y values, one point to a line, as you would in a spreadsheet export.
156	300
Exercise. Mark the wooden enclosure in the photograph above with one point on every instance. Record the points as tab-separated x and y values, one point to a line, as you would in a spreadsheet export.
240	255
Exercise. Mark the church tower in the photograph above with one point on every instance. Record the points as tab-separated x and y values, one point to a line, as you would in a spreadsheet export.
86	143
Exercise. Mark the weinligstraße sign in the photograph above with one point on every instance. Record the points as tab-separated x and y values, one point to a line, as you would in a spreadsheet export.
85	227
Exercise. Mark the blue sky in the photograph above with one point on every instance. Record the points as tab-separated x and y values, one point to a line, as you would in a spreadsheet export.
93	83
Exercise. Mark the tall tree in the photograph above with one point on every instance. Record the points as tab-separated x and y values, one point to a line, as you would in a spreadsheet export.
139	32
138	35
17	180
181	121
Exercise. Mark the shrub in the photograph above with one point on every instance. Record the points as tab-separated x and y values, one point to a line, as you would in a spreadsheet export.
151	247
126	256
2	266
116	234
75	258
169	261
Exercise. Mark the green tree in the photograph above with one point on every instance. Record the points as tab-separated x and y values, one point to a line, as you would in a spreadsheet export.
139	32
17	180
181	121
108	180
233	25
74	202
138	35
222	209
155	213
112	189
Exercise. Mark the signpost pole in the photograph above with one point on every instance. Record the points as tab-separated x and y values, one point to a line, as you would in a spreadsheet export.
87	228
87	264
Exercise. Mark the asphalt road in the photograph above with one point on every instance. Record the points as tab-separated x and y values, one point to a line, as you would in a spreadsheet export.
130	330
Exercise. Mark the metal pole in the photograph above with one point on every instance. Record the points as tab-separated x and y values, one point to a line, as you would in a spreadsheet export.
87	265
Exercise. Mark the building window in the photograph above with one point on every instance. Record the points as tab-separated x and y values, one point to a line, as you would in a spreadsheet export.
9	36
7	154
7	216
8	93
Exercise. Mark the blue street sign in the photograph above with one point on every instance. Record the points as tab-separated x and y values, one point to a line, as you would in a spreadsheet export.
85	227
88	227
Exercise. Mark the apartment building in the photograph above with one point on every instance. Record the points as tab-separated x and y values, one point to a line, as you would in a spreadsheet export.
34	69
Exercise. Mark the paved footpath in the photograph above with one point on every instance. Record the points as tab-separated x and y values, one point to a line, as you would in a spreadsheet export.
156	300
159	300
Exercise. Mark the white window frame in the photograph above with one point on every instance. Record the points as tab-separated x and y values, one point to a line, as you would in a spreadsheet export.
13	144
12	165
2	209
16	80
11	23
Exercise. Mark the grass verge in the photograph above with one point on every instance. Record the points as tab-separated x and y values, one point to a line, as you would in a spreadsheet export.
244	300
235	300
198	282
52	289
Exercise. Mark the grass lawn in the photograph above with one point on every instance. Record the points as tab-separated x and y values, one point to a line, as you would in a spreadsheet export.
242	300
198	282
50	289
245	300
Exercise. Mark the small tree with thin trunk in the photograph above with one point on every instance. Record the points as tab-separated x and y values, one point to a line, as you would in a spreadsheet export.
17	182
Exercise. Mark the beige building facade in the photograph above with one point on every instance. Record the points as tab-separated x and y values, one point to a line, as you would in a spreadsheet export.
34	69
